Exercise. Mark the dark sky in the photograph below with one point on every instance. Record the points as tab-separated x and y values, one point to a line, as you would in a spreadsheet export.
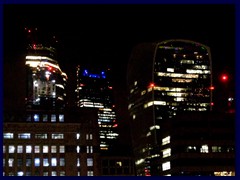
107	33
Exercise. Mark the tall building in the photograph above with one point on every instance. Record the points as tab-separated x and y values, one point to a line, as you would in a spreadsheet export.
46	82
164	79
48	138
94	90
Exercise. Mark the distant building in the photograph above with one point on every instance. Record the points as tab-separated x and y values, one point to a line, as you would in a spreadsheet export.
164	79
198	144
117	166
94	90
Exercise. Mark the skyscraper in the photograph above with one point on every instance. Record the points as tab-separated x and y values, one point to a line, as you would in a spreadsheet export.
47	138
165	78
46	82
94	89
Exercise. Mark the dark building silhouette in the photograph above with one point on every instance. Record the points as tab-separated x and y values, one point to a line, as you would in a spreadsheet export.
164	79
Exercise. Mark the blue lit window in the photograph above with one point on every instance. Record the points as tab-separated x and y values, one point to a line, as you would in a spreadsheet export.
53	118
37	162
61	117
36	117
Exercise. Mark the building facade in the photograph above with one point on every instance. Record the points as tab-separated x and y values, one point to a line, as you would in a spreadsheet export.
164	79
94	90
48	138
46	82
52	147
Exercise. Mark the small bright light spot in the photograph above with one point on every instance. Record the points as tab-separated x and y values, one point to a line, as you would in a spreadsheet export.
224	77
152	84
212	88
212	103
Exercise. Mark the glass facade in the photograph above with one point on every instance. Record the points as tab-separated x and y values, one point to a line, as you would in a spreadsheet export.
94	90
165	78
46	82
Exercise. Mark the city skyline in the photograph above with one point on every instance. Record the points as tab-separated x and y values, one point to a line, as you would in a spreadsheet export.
106	34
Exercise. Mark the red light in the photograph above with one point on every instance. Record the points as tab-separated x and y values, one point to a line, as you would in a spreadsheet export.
212	88
115	125
224	77
152	85
212	103
49	68
29	30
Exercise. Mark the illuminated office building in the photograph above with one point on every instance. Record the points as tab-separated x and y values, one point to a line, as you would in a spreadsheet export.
46	82
165	78
48	138
94	90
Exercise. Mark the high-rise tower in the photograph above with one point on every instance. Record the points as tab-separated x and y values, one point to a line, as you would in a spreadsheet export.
165	78
94	89
46	82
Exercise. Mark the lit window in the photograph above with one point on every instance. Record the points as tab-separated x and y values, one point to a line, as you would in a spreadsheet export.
53	118
166	152
37	162
62	173
78	135
78	162
89	173
4	149
119	163
36	117
11	149
53	149
216	149
54	173
20	173
41	136
78	149
57	136
204	149
54	161
61	118
79	173
62	162
61	149
3	162
45	149
28	149
10	162
166	140
45	162
170	70
37	149
166	166
8	135
24	136
19	149
89	149
89	161
45	173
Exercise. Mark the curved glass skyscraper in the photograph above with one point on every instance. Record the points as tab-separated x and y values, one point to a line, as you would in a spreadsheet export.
46	81
165	78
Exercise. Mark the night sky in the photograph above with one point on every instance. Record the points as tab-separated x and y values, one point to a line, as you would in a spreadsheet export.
106	34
